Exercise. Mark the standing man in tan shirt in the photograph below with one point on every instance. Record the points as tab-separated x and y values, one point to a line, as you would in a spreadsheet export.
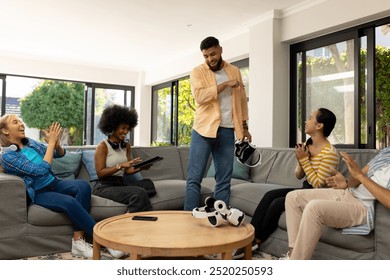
221	116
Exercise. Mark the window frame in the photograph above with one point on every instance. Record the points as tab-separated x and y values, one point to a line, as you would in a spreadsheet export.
91	107
354	34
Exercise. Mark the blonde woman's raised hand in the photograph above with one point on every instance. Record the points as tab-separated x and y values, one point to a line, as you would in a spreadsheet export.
53	133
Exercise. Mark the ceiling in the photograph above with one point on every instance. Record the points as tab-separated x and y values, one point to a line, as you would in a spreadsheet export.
126	34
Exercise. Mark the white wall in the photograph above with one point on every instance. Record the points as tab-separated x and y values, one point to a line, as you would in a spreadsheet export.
234	48
143	105
261	78
65	71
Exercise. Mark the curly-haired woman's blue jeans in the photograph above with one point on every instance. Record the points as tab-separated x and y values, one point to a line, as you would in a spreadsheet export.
72	197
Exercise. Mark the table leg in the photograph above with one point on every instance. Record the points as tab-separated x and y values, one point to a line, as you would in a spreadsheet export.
134	256
96	250
248	252
226	255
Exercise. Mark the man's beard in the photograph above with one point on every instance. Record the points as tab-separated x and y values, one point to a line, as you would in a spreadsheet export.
218	66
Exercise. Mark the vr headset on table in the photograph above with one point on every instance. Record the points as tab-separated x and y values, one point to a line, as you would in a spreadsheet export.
217	212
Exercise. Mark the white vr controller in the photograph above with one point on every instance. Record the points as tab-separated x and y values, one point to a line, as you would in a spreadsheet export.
217	213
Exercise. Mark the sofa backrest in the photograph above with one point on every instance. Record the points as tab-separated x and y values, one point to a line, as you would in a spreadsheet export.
277	163
184	158
259	174
168	168
361	156
280	164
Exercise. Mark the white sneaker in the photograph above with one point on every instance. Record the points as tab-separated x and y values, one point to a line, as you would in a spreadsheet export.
115	253
81	248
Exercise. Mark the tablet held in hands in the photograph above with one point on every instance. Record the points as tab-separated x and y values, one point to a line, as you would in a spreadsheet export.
148	162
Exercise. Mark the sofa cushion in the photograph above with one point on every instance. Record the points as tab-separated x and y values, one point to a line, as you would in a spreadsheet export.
168	168
88	158
240	171
184	153
170	195
102	208
247	196
68	166
260	173
209	182
41	216
282	171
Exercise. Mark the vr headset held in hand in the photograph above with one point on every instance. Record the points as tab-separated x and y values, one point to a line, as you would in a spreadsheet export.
218	212
246	153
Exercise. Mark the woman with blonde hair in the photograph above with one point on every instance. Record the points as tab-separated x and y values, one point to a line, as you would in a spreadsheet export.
31	160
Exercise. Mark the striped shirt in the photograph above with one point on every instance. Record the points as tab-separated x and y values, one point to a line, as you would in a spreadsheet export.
380	161
317	167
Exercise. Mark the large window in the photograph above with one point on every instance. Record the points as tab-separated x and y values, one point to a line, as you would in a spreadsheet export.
346	72
98	97
76	105
173	109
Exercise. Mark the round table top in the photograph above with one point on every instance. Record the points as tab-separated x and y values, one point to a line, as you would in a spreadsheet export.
175	233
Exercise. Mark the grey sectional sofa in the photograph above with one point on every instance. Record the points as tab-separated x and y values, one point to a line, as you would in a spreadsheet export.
32	231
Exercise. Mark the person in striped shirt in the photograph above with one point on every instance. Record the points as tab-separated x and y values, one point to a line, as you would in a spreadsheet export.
347	204
315	159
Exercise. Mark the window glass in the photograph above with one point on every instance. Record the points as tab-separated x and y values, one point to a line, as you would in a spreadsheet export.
88	116
363	90
105	97
299	89
40	102
1	90
330	84
382	85
186	112
162	106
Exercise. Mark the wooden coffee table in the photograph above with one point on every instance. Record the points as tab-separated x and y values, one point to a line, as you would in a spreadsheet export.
174	234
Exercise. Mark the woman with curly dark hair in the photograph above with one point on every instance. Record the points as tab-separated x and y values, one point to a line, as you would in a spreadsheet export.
113	160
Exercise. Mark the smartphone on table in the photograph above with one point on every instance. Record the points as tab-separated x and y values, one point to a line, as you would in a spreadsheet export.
145	218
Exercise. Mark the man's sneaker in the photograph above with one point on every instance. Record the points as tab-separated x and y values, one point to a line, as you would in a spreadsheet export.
115	253
239	254
81	248
285	257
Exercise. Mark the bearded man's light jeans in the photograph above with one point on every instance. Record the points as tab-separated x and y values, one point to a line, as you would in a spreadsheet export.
222	150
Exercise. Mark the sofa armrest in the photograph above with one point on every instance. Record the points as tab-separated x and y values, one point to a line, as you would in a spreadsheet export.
13	206
382	229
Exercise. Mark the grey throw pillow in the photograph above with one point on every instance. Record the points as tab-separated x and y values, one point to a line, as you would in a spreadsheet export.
68	166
